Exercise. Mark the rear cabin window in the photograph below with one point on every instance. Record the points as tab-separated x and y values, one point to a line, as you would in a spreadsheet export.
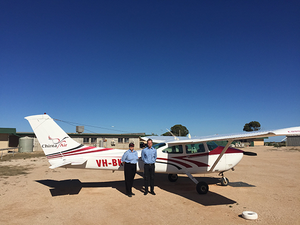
211	145
176	149
194	148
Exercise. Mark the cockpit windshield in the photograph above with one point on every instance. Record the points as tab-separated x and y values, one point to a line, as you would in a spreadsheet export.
159	145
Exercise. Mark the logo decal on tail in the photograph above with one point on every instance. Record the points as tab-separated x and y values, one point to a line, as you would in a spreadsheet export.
56	143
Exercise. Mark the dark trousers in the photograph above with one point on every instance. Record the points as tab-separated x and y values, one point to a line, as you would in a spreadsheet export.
149	171
129	173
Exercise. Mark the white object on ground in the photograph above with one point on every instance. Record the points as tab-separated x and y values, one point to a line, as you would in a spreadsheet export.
249	215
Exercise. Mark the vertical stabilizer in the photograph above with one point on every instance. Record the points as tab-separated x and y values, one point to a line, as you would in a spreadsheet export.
51	137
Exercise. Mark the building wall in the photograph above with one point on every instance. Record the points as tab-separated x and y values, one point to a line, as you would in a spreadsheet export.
114	142
99	142
4	140
36	145
259	142
293	141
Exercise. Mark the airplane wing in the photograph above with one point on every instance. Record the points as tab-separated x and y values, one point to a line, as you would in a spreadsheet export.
159	139
232	137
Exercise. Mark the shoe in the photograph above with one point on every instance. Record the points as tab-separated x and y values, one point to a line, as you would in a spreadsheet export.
129	195
152	193
132	193
146	192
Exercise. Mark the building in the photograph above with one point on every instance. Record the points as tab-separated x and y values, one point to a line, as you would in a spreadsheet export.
10	138
254	142
118	141
292	140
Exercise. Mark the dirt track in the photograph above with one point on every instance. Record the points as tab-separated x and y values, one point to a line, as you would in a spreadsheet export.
267	184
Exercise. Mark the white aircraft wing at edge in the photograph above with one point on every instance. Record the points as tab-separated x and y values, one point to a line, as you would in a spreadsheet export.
233	137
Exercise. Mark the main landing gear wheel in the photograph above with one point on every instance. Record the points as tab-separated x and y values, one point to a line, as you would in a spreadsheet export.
172	177
224	181
202	188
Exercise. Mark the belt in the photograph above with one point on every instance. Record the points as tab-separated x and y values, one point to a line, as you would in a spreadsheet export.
150	164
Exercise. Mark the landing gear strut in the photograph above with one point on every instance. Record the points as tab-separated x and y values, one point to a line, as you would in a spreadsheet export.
224	180
201	187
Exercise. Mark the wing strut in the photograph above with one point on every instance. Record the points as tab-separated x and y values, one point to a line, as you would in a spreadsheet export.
221	155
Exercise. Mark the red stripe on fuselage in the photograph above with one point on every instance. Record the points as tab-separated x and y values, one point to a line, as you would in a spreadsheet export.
77	152
197	163
219	149
216	151
176	161
99	150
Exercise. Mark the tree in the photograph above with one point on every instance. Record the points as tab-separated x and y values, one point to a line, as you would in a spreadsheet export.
252	126
177	130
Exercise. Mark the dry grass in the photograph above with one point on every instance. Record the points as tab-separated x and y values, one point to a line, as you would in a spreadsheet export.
23	155
16	170
294	149
6	171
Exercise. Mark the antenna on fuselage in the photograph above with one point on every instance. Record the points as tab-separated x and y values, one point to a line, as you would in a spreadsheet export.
176	138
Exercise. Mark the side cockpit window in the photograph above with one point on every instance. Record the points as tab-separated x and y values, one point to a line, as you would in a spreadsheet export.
176	149
211	145
194	148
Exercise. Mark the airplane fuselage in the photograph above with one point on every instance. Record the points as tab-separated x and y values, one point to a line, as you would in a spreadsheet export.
171	159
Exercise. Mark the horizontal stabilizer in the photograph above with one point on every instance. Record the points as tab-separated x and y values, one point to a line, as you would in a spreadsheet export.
64	163
59	164
78	162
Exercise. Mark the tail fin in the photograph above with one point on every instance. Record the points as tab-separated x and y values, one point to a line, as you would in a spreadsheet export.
51	137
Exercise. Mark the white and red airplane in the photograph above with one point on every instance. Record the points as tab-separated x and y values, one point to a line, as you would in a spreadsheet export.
175	155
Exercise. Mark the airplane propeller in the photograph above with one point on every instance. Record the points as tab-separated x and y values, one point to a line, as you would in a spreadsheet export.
250	153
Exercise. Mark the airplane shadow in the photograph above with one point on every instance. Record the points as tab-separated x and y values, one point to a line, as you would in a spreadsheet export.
183	187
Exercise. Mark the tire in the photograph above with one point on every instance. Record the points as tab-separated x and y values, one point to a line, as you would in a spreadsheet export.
248	215
202	188
173	177
224	181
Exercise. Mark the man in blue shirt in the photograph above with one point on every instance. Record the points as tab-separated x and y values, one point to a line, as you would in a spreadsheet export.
129	160
149	156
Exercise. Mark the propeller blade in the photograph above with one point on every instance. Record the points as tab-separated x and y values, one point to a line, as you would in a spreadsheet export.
250	153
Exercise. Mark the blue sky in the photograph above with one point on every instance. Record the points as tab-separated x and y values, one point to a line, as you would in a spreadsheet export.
144	66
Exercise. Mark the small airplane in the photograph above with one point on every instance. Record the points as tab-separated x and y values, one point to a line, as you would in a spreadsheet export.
175	155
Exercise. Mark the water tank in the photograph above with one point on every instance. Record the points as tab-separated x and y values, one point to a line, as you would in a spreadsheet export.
79	129
26	144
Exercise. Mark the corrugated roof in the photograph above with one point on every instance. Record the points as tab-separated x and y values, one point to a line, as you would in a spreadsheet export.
7	130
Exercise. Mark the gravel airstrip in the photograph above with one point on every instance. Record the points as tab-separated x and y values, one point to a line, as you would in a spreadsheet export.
267	184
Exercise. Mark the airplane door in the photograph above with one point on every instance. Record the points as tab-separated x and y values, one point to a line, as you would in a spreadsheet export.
197	157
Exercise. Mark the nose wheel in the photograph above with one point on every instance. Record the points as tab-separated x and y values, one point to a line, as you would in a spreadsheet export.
224	180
